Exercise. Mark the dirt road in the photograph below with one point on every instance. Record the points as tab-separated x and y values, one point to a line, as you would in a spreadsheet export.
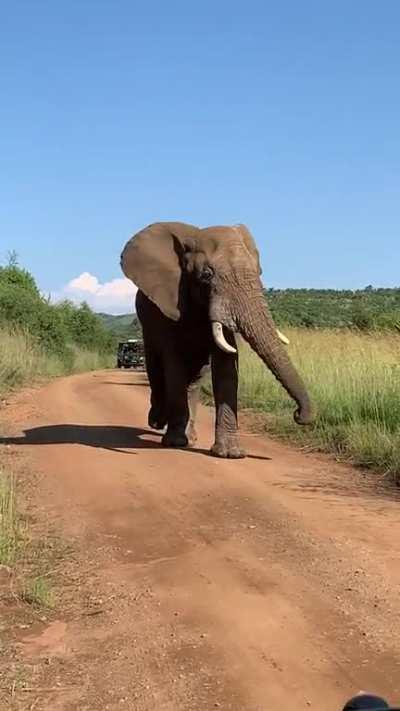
268	583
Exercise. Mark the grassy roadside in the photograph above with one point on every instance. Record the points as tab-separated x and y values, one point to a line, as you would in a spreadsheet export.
33	560
354	381
22	362
9	524
26	558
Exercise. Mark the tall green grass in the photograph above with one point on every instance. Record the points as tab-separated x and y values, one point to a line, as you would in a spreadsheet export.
22	361
354	381
19	552
9	522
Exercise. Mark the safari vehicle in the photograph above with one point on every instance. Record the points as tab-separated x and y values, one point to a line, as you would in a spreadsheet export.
130	354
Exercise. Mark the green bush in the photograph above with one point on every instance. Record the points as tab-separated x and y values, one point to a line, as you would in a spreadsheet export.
15	276
389	321
57	330
84	327
19	307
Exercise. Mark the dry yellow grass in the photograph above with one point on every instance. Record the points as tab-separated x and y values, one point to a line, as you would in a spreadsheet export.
22	362
354	381
9	523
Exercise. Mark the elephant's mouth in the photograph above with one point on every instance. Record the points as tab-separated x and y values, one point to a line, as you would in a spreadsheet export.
228	312
222	343
219	338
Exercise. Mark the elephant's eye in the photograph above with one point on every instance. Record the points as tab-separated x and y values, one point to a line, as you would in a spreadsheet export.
206	274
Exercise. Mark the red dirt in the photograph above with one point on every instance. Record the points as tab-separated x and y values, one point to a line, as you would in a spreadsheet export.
260	584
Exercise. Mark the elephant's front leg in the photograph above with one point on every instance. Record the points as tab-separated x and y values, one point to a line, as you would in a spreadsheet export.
157	418
224	367
193	399
176	402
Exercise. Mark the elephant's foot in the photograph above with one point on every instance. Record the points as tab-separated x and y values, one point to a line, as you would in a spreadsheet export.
156	419
227	447
175	438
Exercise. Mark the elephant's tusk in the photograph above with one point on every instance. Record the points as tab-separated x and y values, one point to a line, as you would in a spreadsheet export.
219	338
282	338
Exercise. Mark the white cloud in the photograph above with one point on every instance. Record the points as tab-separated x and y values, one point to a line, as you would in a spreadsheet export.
84	282
115	296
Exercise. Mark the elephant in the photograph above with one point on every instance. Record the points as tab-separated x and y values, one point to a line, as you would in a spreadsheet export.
197	287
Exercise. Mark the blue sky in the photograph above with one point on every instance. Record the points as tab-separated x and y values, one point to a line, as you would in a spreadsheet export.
284	116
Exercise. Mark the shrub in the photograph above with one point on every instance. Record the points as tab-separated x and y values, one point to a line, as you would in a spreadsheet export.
54	327
15	276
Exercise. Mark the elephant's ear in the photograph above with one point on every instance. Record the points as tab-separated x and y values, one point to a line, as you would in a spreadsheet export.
250	244
152	260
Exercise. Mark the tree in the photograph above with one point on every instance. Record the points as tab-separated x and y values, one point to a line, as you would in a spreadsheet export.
12	258
13	275
55	327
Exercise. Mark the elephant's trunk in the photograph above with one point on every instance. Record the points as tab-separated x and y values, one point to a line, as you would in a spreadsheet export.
251	315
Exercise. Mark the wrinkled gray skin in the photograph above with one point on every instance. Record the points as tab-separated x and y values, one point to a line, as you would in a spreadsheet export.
189	278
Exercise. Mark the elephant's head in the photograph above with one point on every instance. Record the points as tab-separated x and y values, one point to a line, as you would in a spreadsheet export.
164	258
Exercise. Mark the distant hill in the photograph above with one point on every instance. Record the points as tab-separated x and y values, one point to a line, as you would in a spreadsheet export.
310	308
122	327
329	308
